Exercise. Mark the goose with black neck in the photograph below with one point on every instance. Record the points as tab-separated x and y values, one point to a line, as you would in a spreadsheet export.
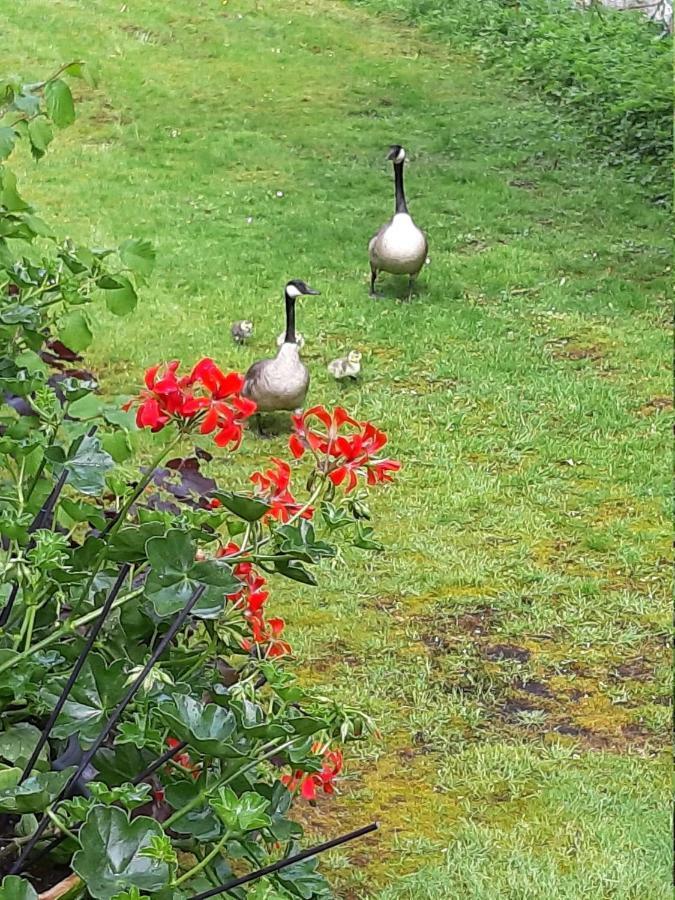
399	247
281	383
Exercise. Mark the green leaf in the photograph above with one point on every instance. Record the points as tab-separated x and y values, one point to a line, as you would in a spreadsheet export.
117	445
305	881
248	508
9	196
120	295
364	538
74	331
59	102
241	814
300	541
114	764
87	469
173	553
40	135
98	688
87	407
294	570
34	794
205	726
18	743
15	888
111	858
139	256
7	140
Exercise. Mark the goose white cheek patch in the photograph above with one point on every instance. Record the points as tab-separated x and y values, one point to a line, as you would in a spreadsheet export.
292	291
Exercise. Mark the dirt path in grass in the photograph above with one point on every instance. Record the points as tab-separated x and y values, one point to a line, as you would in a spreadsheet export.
511	640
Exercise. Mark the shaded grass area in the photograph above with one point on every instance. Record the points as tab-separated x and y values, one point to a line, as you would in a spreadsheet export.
511	640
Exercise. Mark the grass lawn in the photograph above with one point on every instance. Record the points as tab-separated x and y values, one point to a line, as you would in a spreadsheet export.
511	641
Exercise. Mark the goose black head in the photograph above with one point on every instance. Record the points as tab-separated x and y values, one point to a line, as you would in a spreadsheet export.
296	287
396	154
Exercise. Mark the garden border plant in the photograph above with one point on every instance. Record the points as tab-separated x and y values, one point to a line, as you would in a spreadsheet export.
151	741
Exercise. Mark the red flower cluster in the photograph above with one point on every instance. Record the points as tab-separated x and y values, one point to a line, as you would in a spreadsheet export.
252	598
342	456
183	759
206	397
272	486
313	782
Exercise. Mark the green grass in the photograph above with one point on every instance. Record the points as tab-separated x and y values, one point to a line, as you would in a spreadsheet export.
511	640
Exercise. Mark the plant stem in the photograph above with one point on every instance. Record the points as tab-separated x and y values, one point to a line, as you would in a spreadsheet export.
204	862
221	782
65	629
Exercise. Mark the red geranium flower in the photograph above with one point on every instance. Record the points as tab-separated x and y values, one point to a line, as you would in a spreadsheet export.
273	487
267	632
206	397
183	759
252	595
342	454
309	784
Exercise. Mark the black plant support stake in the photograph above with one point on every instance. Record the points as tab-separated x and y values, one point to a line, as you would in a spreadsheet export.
164	758
93	634
110	724
289	861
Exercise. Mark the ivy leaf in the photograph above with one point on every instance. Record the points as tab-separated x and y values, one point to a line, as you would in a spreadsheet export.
87	469
59	102
120	295
111	855
15	888
40	135
241	814
74	331
18	743
249	508
205	726
7	140
139	256
34	794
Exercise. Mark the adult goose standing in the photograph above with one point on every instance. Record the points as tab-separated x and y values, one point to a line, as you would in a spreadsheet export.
281	383
399	247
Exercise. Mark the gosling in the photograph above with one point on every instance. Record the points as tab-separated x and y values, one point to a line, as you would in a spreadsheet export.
241	331
348	366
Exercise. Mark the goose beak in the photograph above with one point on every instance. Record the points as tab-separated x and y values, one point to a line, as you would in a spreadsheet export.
309	290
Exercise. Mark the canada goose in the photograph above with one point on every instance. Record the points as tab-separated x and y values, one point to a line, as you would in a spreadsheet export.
299	339
347	366
399	246
241	331
281	383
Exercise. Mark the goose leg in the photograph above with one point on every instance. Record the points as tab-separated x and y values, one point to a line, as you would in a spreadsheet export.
411	285
260	431
373	276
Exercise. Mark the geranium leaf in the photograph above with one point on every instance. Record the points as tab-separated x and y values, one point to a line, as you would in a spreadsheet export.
60	104
87	469
173	554
110	858
115	765
15	888
206	727
32	795
96	691
248	508
241	814
294	570
18	743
